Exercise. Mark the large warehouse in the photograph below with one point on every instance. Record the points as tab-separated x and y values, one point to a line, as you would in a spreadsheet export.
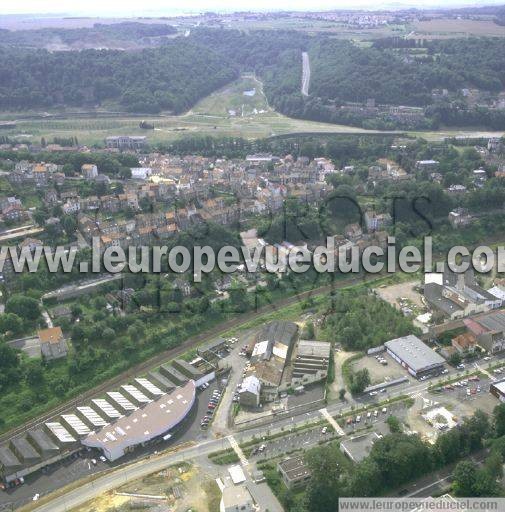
415	356
145	424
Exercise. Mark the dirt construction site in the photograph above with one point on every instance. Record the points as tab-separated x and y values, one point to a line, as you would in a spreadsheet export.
176	489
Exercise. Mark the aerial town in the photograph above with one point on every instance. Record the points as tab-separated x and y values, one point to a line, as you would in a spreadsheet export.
153	385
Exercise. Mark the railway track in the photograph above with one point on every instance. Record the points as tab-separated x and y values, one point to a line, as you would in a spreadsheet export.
162	357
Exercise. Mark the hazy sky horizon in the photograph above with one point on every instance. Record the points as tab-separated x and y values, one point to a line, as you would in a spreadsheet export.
122	8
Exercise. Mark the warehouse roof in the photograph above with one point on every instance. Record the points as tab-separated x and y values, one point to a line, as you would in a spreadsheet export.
144	424
7	459
161	380
106	408
494	321
279	331
60	432
173	374
121	401
212	346
414	352
42	440
149	387
309	348
187	369
24	449
136	394
91	416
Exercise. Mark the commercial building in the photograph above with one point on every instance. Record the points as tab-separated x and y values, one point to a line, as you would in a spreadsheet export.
173	374
498	390
458	295
310	362
358	448
415	356
236	499
236	474
489	329
135	415
294	472
192	372
125	142
143	425
212	349
270	353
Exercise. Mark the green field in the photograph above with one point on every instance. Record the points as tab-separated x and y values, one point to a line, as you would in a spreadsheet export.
211	116
251	118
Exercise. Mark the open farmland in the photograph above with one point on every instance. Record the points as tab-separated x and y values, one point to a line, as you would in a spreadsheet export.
440	28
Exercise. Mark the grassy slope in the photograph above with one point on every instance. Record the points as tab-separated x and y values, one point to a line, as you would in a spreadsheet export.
210	116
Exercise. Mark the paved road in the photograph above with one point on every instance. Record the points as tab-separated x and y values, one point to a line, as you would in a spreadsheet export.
157	360
305	73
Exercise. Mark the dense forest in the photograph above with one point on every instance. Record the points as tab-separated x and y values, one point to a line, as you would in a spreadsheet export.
173	76
99	34
393	77
170	78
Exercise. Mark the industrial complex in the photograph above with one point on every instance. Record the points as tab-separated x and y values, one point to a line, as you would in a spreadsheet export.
415	356
115	424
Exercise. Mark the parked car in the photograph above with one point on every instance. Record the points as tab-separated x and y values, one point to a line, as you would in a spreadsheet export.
324	430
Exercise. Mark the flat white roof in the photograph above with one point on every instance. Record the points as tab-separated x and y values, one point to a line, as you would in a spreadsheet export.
109	410
149	386
136	394
237	474
75	424
92	416
434	277
60	432
123	402
280	350
260	348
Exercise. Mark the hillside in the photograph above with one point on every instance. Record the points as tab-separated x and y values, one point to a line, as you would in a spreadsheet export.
170	78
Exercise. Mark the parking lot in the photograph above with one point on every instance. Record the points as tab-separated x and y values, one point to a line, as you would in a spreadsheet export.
381	372
373	416
292	442
466	396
